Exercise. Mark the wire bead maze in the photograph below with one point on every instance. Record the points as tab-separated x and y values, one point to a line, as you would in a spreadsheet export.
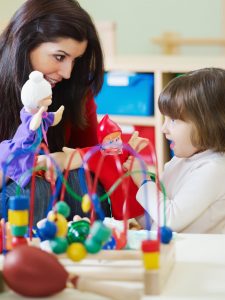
82	238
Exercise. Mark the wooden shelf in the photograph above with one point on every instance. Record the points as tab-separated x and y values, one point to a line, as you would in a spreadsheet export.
164	68
134	120
163	63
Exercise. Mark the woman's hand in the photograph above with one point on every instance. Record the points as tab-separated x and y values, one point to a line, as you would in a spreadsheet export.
72	157
44	161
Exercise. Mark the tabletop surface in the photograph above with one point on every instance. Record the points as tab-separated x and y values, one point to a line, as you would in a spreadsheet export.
198	273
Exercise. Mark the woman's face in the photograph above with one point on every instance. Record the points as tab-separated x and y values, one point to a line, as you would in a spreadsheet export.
57	59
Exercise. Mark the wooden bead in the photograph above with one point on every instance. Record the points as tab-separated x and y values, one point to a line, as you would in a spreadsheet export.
166	234
76	251
63	208
151	260
86	203
18	230
100	232
92	246
58	245
78	231
18	241
111	244
150	246
18	217
46	229
61	223
19	202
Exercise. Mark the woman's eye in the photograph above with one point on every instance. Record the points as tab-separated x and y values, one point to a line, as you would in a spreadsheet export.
59	57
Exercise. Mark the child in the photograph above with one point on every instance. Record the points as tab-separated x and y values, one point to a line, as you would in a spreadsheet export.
194	109
109	137
36	96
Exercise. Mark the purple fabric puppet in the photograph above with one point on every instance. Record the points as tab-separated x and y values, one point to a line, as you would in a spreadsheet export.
24	139
36	96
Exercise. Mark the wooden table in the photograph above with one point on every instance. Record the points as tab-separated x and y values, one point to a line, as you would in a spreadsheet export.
199	273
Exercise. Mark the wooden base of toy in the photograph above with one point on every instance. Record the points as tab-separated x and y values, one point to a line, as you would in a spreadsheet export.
127	266
119	274
154	280
103	288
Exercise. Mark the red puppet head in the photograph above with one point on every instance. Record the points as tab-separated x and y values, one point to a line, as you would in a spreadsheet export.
109	135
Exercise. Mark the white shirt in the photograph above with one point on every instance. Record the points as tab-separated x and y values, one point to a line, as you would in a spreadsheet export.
195	189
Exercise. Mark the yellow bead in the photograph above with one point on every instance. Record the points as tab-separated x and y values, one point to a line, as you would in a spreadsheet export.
76	251
86	203
60	222
18	217
151	260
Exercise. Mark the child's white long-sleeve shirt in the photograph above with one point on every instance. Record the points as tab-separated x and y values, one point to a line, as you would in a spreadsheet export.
195	189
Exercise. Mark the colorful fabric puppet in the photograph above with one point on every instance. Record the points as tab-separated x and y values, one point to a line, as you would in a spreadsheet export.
36	96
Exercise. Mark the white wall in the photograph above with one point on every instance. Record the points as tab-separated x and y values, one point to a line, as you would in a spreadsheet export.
8	7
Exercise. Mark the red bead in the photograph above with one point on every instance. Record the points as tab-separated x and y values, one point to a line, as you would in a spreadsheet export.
18	241
150	246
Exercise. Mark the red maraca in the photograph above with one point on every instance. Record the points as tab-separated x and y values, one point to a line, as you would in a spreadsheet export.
32	272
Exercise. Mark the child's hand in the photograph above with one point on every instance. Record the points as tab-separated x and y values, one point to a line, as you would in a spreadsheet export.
138	143
137	177
76	160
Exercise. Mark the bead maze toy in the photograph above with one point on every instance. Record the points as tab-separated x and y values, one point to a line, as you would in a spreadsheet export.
86	254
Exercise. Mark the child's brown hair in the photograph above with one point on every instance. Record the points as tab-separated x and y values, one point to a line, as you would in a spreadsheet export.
198	97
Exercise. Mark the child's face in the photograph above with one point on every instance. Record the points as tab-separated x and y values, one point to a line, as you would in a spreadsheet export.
179	133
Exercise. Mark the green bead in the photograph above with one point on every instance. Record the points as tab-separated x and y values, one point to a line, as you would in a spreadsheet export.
58	245
63	208
100	232
18	230
92	246
78	231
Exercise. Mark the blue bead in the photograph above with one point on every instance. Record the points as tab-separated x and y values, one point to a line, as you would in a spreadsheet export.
46	230
19	202
111	244
166	234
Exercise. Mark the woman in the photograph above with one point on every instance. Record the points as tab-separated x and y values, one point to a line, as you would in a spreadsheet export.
57	38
